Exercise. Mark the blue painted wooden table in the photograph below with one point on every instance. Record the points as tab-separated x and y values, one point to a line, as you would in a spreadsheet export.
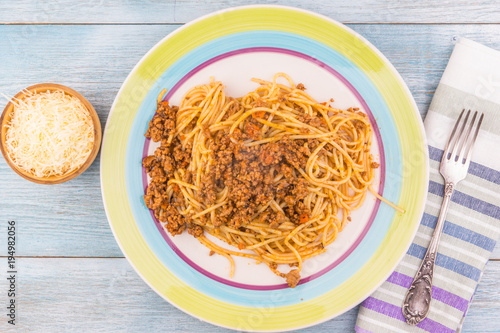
72	275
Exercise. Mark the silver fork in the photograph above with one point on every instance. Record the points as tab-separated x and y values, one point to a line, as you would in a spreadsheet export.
454	166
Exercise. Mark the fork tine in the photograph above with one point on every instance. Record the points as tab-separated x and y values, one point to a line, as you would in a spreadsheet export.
451	142
468	152
459	139
465	142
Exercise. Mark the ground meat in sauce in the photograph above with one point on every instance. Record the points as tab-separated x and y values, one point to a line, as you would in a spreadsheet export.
196	231
292	278
275	219
163	123
245	171
314	121
176	223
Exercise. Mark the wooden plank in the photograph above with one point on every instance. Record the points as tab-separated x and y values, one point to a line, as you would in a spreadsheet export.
93	56
157	11
95	294
57	220
69	219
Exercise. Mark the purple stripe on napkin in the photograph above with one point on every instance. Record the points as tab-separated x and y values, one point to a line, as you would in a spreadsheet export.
361	330
437	293
395	312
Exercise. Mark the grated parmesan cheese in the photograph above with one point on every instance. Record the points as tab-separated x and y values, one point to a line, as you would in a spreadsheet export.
50	134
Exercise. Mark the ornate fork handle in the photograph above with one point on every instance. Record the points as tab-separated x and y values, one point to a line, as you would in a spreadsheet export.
418	298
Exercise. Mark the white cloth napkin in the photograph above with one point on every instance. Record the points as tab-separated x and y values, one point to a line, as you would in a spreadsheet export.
472	227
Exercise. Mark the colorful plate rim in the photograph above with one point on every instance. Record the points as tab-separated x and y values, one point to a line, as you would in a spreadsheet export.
414	173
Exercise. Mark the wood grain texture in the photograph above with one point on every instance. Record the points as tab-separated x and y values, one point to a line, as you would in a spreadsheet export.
96	59
106	295
68	219
161	12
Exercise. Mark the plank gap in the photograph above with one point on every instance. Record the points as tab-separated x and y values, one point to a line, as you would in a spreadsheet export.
60	257
183	23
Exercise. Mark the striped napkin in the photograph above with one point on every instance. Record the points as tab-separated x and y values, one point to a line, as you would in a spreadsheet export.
471	81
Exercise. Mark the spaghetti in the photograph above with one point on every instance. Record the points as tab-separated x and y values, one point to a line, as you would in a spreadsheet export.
273	173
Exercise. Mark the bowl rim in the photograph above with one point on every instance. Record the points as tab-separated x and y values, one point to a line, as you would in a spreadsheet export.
43	87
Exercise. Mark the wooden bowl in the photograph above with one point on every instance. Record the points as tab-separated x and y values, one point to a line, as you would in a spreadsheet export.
40	88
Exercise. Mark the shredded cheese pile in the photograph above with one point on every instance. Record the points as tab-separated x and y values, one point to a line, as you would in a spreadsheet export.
50	133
